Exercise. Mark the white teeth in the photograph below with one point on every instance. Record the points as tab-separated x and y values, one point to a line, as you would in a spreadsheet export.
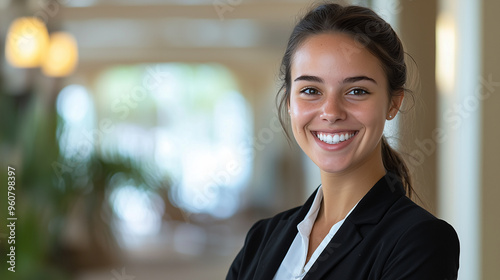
335	138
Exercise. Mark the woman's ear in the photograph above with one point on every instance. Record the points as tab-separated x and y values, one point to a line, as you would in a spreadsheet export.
396	101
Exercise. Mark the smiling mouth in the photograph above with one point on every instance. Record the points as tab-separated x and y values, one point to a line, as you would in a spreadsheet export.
334	138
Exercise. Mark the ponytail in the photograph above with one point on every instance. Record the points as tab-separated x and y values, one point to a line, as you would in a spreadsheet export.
393	162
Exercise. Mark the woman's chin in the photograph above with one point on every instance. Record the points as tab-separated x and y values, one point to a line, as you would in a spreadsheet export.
333	166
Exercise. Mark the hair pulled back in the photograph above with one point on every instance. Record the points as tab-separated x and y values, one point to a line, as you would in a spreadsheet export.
368	31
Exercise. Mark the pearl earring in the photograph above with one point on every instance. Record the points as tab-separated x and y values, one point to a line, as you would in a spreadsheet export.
390	116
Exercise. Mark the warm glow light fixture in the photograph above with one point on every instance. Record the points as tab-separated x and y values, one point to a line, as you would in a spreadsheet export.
26	42
62	55
446	37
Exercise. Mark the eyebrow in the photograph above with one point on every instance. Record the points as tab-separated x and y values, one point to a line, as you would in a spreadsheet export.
357	79
345	81
309	79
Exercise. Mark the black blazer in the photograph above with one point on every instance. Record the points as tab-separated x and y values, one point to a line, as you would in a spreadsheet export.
387	236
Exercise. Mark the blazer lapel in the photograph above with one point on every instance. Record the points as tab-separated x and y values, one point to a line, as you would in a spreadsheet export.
280	240
343	242
369	210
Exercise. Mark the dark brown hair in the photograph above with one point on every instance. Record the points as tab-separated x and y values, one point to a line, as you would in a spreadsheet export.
369	31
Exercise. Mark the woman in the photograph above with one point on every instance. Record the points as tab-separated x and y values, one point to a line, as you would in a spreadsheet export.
343	76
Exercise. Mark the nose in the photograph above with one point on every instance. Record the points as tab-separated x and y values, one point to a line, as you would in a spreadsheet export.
333	109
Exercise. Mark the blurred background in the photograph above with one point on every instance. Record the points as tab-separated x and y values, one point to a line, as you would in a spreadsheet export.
145	138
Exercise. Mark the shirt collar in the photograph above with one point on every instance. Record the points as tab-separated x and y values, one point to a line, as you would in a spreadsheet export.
305	226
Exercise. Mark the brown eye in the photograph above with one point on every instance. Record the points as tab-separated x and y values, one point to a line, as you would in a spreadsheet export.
310	91
357	91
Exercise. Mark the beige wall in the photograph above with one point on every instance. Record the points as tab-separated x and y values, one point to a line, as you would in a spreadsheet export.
490	140
417	24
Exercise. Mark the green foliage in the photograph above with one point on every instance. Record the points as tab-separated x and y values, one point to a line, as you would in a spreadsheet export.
48	186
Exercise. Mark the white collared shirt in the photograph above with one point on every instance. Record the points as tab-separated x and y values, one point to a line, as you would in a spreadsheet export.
293	265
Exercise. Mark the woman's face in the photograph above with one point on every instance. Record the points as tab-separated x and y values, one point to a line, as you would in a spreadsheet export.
338	102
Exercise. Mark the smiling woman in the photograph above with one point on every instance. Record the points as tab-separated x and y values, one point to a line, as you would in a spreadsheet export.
344	76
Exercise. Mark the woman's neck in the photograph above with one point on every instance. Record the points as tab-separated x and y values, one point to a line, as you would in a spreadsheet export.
342	191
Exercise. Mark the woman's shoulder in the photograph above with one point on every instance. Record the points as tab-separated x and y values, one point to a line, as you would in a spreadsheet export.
409	213
408	241
395	217
411	222
421	242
